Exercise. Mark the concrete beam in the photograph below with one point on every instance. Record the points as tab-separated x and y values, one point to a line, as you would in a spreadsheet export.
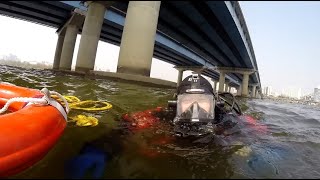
104	3
198	69
77	18
138	37
236	70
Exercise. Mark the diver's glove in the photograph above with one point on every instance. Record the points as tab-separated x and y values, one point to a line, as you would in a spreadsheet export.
91	161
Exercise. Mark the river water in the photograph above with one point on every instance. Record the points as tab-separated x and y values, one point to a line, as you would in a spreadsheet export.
287	147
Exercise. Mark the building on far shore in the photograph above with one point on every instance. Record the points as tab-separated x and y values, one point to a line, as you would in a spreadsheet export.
316	95
267	90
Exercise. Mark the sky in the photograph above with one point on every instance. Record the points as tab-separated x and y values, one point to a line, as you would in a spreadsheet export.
37	43
285	38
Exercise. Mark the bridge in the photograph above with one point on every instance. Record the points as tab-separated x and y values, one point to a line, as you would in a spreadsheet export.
186	34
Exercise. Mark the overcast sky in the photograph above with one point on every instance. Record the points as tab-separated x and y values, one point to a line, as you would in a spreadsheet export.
285	38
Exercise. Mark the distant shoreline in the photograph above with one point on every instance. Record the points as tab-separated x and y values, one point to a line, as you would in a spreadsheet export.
295	101
25	64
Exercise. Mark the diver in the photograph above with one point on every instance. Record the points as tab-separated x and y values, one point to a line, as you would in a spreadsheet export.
196	111
199	111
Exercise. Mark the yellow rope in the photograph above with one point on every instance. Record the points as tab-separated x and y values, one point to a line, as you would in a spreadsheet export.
76	103
82	120
79	105
71	99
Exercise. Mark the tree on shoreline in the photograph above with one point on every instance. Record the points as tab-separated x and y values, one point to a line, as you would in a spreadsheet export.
13	60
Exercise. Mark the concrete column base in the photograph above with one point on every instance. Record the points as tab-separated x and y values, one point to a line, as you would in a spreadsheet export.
83	69
136	79
136	71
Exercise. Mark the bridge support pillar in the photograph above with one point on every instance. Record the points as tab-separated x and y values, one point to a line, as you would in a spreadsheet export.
67	36
260	94
214	85
245	79
245	83
256	93
253	91
90	35
226	87
68	47
138	37
221	81
57	55
180	74
239	90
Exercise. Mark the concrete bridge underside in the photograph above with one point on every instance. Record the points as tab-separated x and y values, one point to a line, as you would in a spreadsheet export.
211	34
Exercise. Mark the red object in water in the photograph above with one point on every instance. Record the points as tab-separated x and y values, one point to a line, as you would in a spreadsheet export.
27	133
250	119
142	119
255	125
145	119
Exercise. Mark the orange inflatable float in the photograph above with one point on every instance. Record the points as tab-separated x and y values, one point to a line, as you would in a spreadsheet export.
28	130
